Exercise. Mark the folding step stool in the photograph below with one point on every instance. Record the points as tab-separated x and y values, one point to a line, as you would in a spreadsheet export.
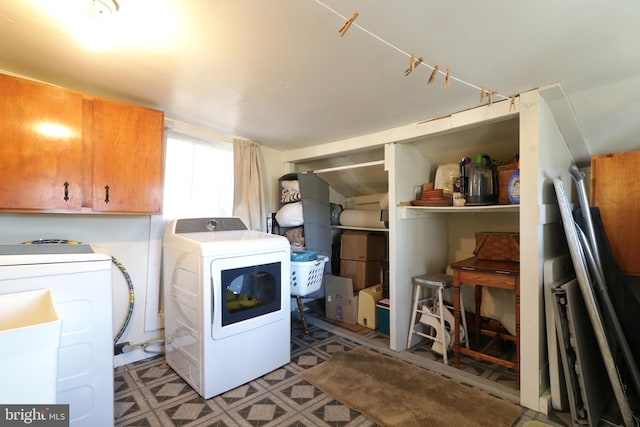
432	314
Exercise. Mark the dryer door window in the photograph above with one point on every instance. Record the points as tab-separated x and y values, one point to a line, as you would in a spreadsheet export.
249	292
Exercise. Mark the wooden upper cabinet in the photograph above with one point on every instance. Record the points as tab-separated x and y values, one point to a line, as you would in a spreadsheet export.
61	149
41	150
615	191
127	144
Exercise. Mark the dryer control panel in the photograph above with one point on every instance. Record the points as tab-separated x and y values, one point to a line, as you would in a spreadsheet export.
199	225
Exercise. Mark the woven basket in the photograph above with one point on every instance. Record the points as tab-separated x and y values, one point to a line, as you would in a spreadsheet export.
492	246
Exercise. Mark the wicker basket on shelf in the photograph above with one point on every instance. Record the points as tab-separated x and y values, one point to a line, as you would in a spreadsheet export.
495	246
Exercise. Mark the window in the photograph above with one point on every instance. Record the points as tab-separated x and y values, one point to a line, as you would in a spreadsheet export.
198	178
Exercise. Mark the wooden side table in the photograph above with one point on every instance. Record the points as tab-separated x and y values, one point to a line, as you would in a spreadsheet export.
493	274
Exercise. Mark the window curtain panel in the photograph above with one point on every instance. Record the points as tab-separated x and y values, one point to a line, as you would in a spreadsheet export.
248	195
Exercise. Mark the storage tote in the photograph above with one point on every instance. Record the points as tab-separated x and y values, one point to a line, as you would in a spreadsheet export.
30	331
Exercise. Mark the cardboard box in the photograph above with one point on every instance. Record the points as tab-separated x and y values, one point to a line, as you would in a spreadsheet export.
363	273
504	175
341	303
367	299
362	246
382	313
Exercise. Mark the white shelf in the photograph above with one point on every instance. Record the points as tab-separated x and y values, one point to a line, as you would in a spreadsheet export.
350	167
410	212
346	227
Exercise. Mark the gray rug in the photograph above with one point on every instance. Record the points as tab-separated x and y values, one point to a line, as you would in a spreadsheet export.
394	393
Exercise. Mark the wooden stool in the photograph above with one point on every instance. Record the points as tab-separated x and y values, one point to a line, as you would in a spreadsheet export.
494	274
432	312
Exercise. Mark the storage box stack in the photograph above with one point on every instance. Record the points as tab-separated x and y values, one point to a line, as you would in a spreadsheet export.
361	256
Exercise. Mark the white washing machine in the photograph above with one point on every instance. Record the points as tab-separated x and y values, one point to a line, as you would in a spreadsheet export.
227	303
80	279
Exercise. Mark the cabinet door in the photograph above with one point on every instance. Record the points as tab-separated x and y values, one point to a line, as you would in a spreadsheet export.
41	152
127	158
616	192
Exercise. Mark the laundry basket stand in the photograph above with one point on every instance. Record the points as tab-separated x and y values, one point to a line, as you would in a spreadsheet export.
306	278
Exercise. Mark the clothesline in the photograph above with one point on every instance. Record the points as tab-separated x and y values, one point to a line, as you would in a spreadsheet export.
408	55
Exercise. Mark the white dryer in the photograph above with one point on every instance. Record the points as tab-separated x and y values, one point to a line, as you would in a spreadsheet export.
80	279
227	302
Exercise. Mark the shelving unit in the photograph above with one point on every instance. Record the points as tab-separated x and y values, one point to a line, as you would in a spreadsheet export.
427	239
351	175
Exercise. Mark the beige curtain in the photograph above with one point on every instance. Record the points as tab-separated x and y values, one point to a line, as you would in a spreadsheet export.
248	194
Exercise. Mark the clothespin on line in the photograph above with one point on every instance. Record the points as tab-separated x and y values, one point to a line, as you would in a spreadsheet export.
347	24
413	63
433	75
487	94
490	95
447	78
512	105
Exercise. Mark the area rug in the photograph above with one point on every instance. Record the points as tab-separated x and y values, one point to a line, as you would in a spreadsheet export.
394	393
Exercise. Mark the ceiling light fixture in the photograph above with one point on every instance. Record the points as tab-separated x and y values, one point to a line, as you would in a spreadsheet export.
100	9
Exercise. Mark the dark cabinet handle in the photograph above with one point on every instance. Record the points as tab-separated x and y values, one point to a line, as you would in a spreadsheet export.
106	194
66	191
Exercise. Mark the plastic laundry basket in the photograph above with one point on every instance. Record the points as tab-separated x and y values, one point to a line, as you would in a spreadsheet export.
30	330
306	276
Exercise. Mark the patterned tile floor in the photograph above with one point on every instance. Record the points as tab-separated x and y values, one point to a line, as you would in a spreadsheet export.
148	393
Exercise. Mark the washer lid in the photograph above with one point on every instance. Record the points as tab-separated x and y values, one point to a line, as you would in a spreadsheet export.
48	253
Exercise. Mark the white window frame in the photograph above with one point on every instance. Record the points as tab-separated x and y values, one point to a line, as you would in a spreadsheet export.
208	190
154	312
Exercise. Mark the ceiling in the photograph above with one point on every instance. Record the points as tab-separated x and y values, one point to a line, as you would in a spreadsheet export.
279	73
